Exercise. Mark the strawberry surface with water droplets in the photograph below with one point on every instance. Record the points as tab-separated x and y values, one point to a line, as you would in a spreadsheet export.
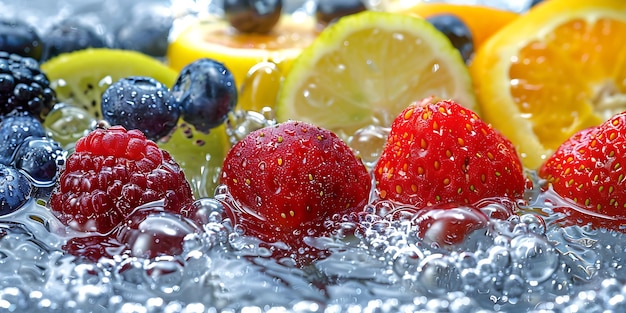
588	169
439	151
292	177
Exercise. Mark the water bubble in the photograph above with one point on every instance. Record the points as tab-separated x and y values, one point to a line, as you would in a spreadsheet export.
437	276
165	275
367	143
538	259
534	223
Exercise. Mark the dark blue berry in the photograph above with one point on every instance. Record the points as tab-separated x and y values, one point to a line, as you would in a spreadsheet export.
41	158
14	129
20	38
147	31
328	11
23	86
206	92
15	189
141	103
253	16
457	32
535	2
70	35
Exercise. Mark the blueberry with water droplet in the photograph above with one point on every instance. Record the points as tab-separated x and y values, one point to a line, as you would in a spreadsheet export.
329	11
21	38
14	129
457	32
253	16
15	189
141	103
70	35
206	92
41	158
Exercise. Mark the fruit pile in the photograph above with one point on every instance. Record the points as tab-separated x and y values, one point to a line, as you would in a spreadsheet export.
426	156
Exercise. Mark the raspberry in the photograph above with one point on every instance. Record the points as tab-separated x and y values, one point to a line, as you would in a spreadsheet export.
23	86
111	173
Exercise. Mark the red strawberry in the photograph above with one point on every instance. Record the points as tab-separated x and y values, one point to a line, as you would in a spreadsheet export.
292	177
112	172
442	152
590	169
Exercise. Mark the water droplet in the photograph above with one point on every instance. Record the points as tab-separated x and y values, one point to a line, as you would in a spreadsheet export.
538	259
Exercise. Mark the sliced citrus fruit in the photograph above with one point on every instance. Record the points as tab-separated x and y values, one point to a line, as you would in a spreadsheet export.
367	67
214	38
79	78
483	21
551	72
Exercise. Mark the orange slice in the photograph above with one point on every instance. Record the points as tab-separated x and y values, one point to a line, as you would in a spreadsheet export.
482	21
216	39
552	72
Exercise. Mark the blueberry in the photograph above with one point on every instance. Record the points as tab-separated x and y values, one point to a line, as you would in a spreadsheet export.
70	35
147	31
206	92
141	103
535	2
15	189
14	129
20	38
253	16
41	158
328	11
457	32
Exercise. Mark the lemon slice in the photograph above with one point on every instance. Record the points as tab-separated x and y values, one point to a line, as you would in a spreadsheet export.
552	72
79	78
366	68
214	38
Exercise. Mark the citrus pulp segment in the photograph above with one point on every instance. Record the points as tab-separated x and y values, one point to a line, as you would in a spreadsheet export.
552	72
216	39
367	67
79	78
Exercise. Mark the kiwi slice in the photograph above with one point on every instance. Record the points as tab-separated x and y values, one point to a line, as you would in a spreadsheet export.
79	79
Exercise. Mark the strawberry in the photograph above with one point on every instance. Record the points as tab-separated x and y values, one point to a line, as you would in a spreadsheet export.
439	151
290	178
112	172
590	169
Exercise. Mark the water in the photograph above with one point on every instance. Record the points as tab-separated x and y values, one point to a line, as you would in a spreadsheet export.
527	262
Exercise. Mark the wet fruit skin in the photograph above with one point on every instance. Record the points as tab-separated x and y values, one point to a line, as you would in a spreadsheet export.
14	130
206	92
457	31
588	169
253	16
143	103
292	177
15	189
20	38
328	11
438	151
24	87
112	172
70	35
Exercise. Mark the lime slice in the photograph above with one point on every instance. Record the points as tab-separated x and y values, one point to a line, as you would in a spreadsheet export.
79	78
366	68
